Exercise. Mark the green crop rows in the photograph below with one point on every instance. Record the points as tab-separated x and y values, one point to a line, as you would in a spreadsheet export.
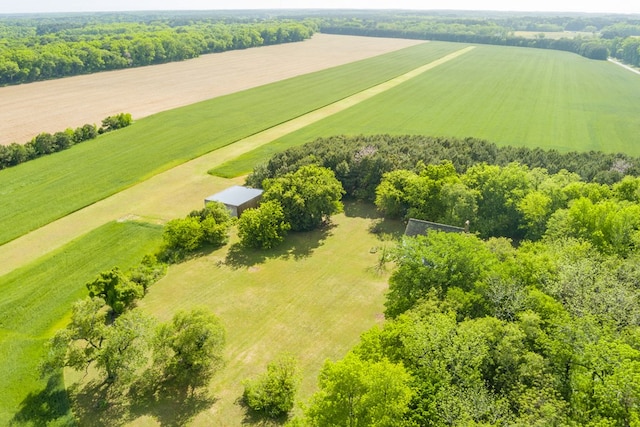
510	96
40	191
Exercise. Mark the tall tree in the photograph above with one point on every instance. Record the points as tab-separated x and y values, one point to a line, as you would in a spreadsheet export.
115	288
308	196
189	348
273	393
355	392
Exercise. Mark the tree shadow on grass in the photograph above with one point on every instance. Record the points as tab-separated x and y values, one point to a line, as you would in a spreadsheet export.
95	404
50	405
259	419
383	228
360	209
170	405
296	245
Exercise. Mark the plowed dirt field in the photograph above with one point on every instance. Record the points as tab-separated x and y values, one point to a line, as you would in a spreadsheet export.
54	105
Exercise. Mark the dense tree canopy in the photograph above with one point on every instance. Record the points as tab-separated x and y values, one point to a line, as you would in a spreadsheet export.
360	161
485	332
38	48
543	334
264	227
308	196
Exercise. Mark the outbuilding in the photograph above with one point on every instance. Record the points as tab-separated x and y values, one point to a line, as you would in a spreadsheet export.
237	199
416	227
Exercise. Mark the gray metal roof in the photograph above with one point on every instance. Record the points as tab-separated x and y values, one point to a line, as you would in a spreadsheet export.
419	227
235	196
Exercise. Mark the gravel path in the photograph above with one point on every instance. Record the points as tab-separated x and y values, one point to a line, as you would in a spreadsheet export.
176	192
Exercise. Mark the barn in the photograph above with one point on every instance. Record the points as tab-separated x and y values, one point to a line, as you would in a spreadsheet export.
416	227
237	199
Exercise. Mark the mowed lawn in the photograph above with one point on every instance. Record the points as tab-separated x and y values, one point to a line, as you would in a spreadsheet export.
36	301
507	95
38	192
312	298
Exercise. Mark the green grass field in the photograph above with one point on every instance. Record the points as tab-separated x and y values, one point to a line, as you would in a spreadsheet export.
311	297
317	293
510	96
38	192
36	301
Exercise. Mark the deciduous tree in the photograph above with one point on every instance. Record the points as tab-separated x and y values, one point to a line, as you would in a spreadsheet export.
264	227
273	393
309	196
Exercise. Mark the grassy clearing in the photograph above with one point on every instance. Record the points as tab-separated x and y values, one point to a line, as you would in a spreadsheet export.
311	297
96	169
510	96
36	301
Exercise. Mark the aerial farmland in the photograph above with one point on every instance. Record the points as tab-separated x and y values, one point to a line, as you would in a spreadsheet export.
337	296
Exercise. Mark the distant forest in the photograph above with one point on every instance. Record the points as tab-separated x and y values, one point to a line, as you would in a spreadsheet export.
592	36
41	47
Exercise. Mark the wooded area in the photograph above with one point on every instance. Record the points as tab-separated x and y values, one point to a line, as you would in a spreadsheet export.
592	36
480	331
39	48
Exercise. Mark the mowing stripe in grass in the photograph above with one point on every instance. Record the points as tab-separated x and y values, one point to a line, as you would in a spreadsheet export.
510	96
37	298
179	190
37	192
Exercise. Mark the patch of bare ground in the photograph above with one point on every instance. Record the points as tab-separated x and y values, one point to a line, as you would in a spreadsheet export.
54	105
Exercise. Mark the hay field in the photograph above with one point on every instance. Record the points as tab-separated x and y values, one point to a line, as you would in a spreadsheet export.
509	96
54	105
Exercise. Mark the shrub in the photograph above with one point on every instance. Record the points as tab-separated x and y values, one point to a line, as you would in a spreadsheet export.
273	393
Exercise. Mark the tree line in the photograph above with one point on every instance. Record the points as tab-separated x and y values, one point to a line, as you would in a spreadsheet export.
40	48
45	143
360	161
603	36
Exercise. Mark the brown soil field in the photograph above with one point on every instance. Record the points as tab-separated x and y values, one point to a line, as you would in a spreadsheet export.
54	105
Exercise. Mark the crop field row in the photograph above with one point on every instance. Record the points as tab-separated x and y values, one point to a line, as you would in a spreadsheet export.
50	106
510	96
96	169
37	299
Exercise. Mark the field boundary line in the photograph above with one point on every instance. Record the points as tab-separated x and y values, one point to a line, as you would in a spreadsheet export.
179	190
625	66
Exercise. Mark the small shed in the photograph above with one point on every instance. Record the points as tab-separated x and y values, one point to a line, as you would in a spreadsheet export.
417	227
237	199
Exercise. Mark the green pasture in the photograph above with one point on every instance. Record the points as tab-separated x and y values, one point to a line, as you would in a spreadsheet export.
510	96
312	297
36	301
38	192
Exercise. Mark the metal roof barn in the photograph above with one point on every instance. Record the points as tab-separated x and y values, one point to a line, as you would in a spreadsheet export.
237	199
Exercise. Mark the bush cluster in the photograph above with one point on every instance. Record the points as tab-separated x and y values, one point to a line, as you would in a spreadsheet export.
46	143
359	162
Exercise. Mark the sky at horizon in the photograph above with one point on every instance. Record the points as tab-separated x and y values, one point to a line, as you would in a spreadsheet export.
46	6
